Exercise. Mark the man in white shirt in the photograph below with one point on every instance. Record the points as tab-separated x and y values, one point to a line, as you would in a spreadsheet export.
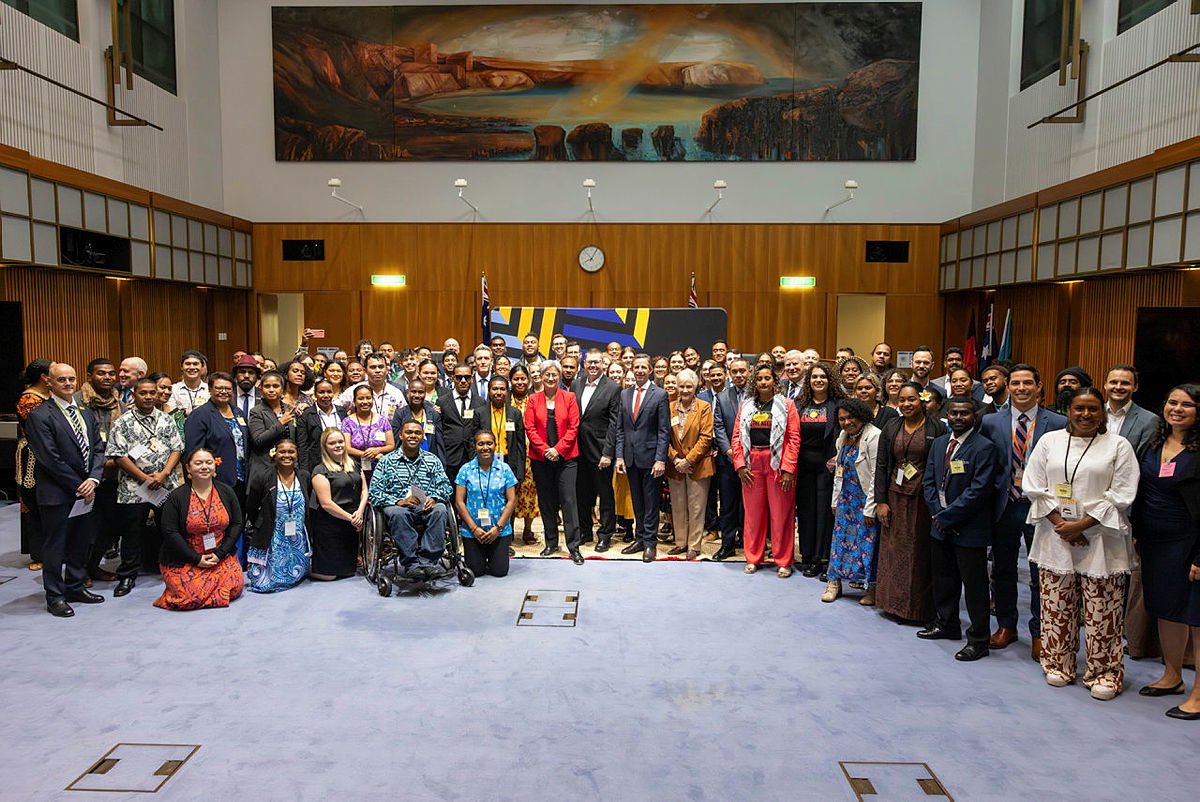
130	370
1136	424
793	372
246	374
192	390
387	397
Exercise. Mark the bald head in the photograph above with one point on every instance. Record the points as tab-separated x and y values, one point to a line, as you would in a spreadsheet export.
62	380
131	369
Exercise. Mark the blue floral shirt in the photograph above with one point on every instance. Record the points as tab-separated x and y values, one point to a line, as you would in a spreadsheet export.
486	490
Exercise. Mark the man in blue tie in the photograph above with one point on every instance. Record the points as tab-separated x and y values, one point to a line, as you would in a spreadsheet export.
70	460
1014	432
643	431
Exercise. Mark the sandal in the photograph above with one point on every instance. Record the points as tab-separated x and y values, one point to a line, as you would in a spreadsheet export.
784	571
34	566
529	538
750	568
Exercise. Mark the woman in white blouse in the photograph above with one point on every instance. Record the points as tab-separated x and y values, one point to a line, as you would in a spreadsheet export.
1081	482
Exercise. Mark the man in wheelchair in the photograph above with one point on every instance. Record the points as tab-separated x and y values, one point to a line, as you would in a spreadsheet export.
410	487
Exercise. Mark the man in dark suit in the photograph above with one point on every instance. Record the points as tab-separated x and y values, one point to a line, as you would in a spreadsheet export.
424	413
599	404
458	420
725	419
1124	417
246	374
483	375
1015	432
716	379
643	432
70	461
313	421
959	485
506	423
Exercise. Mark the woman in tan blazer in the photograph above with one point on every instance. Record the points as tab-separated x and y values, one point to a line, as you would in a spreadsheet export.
690	463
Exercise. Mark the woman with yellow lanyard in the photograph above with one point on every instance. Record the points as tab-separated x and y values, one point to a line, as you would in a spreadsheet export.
507	425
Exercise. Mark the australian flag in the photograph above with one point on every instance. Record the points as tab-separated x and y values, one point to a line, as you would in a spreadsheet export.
485	313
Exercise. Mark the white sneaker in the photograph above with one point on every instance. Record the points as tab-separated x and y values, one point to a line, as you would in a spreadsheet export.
1058	680
1103	692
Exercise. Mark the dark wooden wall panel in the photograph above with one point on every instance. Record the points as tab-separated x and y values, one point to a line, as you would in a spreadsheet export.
737	267
67	317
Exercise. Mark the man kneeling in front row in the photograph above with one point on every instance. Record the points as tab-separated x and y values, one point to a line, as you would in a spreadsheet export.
411	488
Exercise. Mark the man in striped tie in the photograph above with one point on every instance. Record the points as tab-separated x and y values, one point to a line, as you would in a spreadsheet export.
1015	432
70	460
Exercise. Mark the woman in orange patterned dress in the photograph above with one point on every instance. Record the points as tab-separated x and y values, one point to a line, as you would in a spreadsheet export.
36	391
201	523
527	503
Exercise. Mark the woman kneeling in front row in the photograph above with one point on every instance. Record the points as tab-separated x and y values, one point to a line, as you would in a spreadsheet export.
485	498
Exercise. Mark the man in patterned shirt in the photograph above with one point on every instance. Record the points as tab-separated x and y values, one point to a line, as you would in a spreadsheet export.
146	446
411	488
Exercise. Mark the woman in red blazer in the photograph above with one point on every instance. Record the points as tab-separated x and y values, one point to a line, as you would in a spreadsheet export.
552	425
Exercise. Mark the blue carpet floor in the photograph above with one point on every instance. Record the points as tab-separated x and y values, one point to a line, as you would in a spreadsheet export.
681	681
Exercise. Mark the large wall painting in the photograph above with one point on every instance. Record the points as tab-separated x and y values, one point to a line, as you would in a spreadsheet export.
695	82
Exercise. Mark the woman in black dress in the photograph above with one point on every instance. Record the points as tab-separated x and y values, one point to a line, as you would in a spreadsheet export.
819	430
336	509
1166	529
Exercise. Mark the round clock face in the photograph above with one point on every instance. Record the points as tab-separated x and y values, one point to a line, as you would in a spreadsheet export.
591	258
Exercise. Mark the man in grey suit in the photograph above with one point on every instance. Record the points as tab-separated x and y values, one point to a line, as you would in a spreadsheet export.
1015	432
725	417
66	441
643	431
1136	424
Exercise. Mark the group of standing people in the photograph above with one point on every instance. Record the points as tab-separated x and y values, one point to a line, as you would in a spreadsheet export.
915	490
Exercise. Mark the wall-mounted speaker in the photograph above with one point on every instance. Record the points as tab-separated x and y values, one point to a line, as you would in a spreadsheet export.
304	250
886	250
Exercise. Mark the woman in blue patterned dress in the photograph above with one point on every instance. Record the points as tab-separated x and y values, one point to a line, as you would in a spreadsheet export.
279	553
855	529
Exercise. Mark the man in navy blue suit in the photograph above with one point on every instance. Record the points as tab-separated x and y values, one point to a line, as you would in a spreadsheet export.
643	433
1014	432
66	441
959	488
725	418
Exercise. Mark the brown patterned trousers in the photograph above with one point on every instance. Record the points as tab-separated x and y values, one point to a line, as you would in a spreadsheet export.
1103	601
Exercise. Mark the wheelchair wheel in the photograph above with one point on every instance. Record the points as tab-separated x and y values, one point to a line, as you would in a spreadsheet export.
384	586
372	540
465	577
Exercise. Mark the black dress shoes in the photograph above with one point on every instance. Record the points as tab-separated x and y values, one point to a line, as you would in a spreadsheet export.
632	548
812	570
1150	690
1183	715
627	537
549	552
59	608
649	555
602	545
972	651
724	553
123	587
938	632
576	557
85	597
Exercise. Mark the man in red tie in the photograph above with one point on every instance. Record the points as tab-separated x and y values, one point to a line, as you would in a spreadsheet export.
643	433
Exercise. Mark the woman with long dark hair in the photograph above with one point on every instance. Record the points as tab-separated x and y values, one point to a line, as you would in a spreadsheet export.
1166	528
35	381
817	407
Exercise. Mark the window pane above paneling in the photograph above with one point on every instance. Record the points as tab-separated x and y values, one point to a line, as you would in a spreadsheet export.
45	244
139	256
1165	248
1025	229
1066	259
162	228
1025	264
1008	239
1112	251
1088	257
979	241
15	239
70	207
1137	247
118	217
1068	219
1141	198
226	242
1008	267
95	215
993	237
179	231
195	235
1048	224
1168	191
210	238
1045	261
1191	242
1194	187
42	194
1089	213
139	222
1115	202
14	192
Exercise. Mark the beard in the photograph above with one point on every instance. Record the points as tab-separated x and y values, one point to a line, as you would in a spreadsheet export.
1063	399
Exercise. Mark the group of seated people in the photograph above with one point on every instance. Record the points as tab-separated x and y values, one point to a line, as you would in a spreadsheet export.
915	490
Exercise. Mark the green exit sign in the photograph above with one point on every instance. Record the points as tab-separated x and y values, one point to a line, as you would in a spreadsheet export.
797	282
389	280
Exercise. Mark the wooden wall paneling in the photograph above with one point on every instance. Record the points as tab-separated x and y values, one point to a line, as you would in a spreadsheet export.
339	314
737	267
165	320
66	316
956	316
1040	325
228	311
1108	315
